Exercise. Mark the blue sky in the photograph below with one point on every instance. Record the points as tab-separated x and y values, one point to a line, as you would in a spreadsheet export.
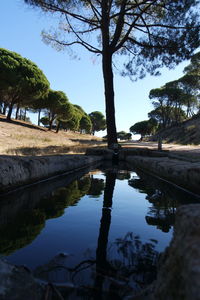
80	79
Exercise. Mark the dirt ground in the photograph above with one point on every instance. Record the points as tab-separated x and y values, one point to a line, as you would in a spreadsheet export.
21	138
189	152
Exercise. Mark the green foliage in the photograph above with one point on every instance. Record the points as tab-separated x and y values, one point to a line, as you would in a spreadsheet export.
167	116
158	33
122	135
190	83
85	124
44	121
98	121
144	128
194	66
58	106
74	122
177	100
148	34
21	81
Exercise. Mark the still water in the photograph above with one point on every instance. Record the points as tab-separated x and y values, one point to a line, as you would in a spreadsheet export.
108	221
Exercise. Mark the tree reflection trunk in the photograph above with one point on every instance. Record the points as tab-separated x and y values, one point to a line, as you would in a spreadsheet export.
102	265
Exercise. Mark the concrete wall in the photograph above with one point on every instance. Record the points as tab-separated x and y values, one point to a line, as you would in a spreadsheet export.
19	170
183	173
179	273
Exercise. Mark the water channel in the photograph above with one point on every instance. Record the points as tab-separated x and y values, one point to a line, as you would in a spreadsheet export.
94	230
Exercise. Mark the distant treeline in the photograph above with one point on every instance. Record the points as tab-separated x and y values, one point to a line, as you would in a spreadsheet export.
174	102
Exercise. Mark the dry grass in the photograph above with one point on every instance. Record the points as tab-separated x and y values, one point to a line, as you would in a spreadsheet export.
21	138
187	133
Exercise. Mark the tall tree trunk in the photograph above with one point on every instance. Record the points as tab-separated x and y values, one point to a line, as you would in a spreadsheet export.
5	106
58	126
50	124
10	111
109	99
107	53
25	110
39	112
17	112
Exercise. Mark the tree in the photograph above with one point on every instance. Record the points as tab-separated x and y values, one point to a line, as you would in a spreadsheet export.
21	81
177	99
85	124
74	122
59	107
151	34
122	135
98	121
65	114
45	121
160	115
190	83
170	101
39	105
144	128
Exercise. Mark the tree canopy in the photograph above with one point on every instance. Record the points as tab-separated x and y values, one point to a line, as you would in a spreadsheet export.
177	100
151	34
174	102
144	127
98	121
85	124
21	81
123	135
74	122
59	107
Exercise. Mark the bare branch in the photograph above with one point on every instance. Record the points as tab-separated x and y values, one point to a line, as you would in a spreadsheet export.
87	46
95	11
125	38
81	41
119	25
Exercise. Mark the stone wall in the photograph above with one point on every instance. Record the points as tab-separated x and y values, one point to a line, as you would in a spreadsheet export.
179	273
183	173
19	170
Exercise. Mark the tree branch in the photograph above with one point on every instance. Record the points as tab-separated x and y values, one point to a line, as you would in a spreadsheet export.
119	26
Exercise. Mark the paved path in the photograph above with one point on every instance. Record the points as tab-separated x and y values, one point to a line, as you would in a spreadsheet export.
187	151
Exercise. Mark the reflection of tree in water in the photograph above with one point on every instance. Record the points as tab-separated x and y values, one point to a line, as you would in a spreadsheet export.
127	264
96	187
123	175
164	200
29	223
128	267
102	265
54	206
22	231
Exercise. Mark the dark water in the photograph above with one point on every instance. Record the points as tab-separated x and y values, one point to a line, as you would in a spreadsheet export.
109	223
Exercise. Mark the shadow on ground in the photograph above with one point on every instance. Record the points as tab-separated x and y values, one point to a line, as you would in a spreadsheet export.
20	123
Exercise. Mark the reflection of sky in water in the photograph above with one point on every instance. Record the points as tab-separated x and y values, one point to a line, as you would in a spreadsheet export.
78	228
